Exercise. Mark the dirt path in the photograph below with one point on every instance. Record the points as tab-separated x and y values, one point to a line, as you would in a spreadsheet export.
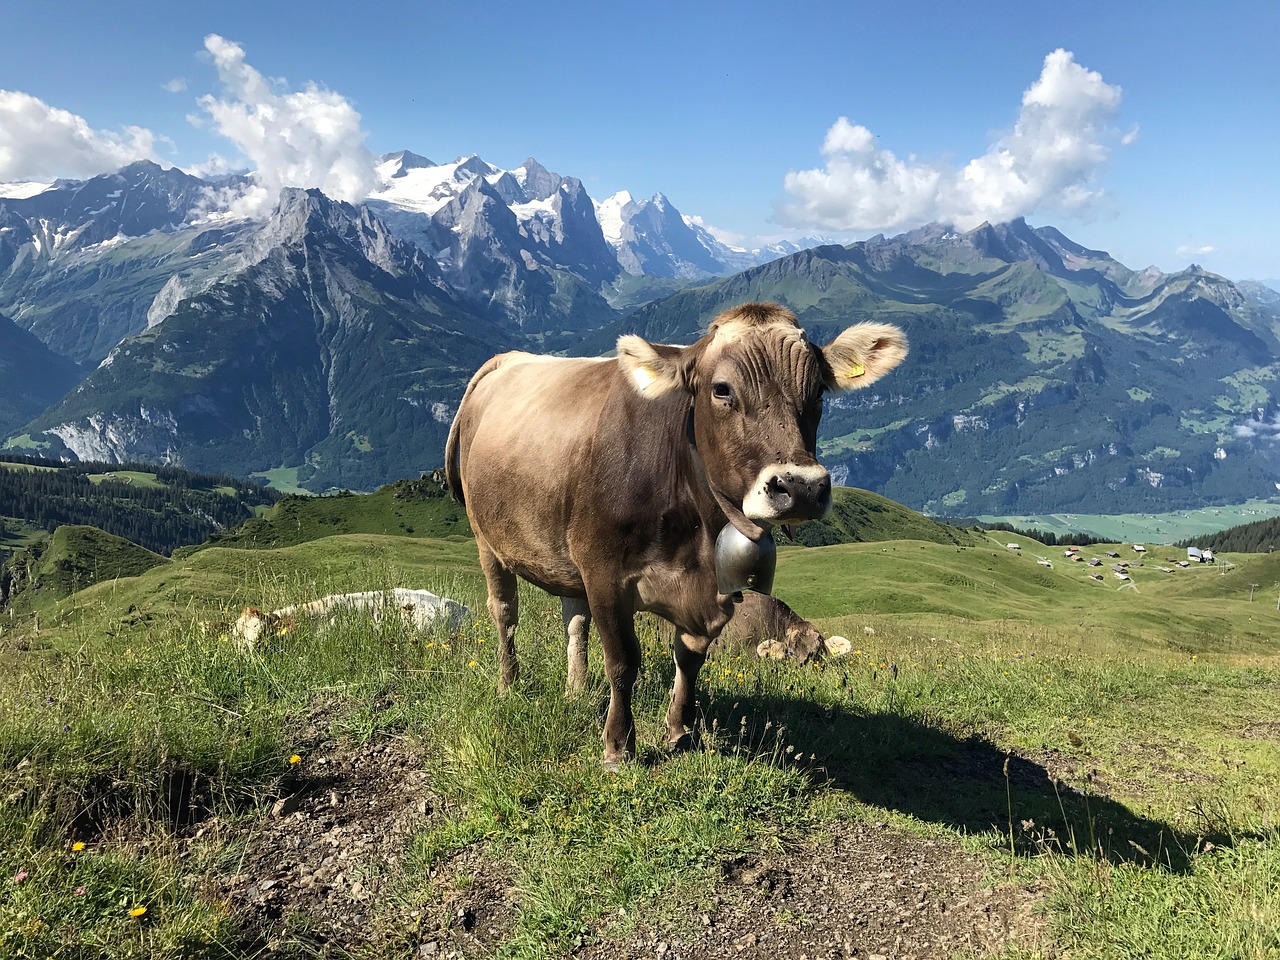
312	876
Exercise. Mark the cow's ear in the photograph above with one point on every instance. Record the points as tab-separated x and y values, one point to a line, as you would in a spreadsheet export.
861	355
654	368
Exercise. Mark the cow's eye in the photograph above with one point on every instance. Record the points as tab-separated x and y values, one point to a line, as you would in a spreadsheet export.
722	391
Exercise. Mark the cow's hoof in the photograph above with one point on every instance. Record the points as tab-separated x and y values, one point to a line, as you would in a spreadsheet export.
613	766
682	744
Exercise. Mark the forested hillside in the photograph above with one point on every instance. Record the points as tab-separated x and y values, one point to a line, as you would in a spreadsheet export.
160	508
1261	536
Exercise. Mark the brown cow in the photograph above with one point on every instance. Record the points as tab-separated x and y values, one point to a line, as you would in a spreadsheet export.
606	482
768	627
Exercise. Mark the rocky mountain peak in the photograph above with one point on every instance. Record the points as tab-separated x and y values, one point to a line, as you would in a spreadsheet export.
538	182
472	166
404	161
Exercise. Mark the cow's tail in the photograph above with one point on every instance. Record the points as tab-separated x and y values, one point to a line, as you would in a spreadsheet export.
452	469
452	461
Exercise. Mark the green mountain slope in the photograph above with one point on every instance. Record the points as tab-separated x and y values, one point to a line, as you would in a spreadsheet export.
336	352
954	591
407	508
161	508
73	558
32	377
859	516
1043	377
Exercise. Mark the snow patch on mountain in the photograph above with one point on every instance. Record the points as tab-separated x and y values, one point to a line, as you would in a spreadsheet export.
610	214
23	191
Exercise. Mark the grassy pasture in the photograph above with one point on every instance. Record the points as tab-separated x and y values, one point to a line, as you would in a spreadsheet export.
136	478
1147	528
1116	750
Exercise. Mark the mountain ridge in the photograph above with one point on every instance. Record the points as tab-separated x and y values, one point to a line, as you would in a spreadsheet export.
331	341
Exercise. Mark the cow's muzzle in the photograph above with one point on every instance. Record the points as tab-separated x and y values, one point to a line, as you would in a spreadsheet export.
786	493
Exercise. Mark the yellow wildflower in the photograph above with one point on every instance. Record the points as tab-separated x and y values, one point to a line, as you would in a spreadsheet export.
77	846
137	912
295	759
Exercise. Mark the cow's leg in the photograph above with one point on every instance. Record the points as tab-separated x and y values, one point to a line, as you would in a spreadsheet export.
617	631
504	608
690	654
577	625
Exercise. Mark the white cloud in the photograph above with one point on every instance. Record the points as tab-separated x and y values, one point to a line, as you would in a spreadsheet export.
40	142
1191	250
727	237
1050	160
176	85
215	166
306	138
1256	427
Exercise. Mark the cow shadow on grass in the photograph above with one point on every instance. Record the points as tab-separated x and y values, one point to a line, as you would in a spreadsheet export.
1041	803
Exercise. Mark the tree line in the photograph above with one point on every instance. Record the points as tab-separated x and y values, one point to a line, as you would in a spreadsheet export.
185	510
1260	536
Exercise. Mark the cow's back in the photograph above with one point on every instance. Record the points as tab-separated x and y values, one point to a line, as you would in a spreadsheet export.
521	438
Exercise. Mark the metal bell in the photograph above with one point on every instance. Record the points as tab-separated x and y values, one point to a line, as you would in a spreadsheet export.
743	563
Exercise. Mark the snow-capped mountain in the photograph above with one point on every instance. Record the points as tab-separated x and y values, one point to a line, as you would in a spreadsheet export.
557	226
327	345
71	215
522	243
83	261
526	246
1043	373
653	238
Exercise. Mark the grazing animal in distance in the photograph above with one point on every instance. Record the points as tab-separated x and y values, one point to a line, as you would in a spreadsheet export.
416	609
607	481
254	624
770	628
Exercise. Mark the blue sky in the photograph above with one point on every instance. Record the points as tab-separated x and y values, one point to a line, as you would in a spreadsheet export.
1150	129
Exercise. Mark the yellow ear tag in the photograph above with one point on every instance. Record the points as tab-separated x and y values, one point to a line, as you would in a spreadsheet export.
643	377
856	370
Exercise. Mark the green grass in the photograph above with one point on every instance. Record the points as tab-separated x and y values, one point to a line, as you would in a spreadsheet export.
1108	746
859	516
25	441
284	479
407	508
134	478
1146	528
75	557
16	534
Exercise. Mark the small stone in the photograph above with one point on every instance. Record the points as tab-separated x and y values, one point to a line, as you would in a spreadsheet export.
429	949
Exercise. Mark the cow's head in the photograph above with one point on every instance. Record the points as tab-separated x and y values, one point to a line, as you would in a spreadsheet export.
757	386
